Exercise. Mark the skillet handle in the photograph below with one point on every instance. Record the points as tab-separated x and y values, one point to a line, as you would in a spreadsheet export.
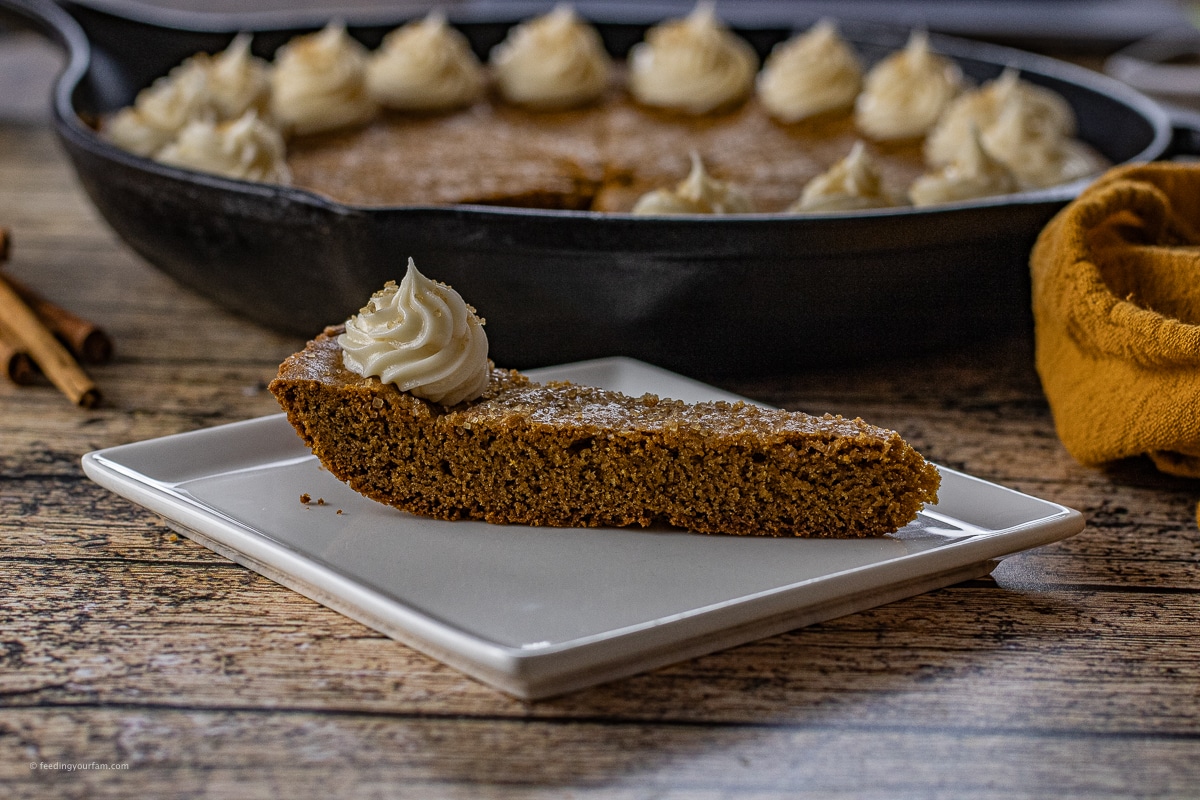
44	17
48	19
1185	125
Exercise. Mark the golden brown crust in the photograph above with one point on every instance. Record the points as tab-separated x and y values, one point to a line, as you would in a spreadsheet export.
566	455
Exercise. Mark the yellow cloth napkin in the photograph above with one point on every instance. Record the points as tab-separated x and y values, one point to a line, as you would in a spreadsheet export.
1116	305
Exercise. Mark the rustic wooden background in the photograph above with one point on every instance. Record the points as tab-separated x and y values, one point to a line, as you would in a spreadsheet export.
1074	673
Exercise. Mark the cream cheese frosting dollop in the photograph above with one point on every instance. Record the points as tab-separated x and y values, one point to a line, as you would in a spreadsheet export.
422	337
161	110
975	174
1032	136
1043	112
852	184
246	148
238	81
809	74
553	61
425	65
904	94
319	82
695	64
699	193
202	87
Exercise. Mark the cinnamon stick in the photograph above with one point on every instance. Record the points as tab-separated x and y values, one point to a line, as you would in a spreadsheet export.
54	359
15	362
18	367
86	340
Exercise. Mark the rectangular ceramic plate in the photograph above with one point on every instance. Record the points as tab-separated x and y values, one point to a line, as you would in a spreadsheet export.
541	611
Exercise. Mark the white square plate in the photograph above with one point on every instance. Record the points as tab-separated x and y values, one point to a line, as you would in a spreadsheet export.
541	611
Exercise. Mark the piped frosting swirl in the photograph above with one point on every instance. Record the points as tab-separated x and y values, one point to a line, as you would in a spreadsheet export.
160	111
904	94
246	148
1033	136
699	193
425	65
809	74
319	82
422	337
695	64
1040	113
975	174
852	184
238	82
202	88
553	61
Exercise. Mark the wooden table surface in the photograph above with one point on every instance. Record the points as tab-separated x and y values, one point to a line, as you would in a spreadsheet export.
1073	673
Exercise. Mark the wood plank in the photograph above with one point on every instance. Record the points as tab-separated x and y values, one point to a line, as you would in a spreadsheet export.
248	754
976	657
44	491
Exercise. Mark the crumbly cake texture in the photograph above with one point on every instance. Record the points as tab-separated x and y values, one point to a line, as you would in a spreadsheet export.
559	454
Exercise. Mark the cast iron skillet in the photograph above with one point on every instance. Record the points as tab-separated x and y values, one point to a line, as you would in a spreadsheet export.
710	297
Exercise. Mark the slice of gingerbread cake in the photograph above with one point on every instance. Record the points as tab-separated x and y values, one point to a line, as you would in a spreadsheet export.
490	444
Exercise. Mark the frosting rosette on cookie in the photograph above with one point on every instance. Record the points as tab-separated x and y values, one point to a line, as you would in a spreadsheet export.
319	82
422	337
202	88
1032	136
975	174
851	184
809	74
238	81
425	65
160	111
699	193
904	94
694	64
1041	113
246	148
554	61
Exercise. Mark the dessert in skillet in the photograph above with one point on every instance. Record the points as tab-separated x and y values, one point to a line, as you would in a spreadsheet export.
551	122
403	404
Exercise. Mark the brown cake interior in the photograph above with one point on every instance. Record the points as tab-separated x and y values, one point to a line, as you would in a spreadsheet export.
565	455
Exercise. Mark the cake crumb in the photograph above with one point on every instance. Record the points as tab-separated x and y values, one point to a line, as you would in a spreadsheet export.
306	498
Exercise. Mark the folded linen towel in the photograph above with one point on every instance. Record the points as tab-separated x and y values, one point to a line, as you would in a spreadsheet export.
1116	303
